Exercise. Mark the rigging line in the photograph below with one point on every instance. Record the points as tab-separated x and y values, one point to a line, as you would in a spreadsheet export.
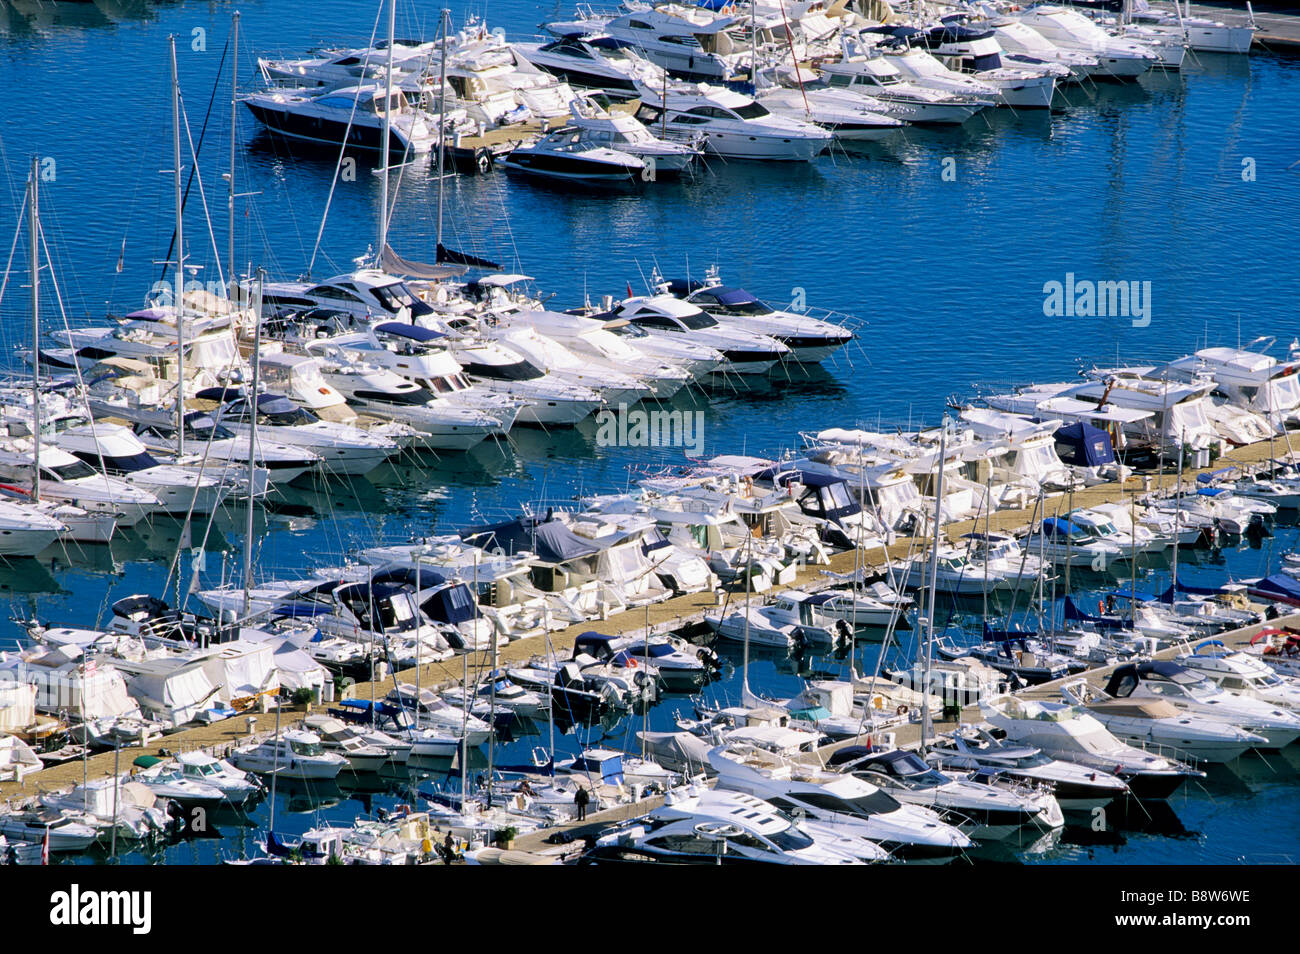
334	180
22	211
203	198
171	246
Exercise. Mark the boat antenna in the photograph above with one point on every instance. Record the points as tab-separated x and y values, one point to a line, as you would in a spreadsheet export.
926	727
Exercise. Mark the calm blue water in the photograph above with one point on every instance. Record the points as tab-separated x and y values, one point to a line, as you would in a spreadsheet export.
944	278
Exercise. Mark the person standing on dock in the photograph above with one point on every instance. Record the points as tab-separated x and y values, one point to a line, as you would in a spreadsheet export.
448	849
581	798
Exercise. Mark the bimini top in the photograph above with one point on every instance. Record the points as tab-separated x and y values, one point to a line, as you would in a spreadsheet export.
404	330
425	577
782	477
551	540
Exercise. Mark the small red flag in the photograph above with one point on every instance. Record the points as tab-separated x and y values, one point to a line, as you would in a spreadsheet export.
629	289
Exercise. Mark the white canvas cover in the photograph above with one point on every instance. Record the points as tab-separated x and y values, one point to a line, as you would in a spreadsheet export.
17	706
174	693
242	670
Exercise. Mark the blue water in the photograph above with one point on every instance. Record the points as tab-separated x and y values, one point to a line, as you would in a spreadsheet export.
944	279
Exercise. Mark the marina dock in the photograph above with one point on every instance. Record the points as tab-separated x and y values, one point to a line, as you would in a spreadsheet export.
673	614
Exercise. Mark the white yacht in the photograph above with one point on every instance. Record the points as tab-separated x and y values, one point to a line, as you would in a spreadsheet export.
1119	58
986	812
570	155
687	42
976	52
604	350
624	132
908	832
592	62
1190	691
295	754
1065	732
733	125
810	340
1024	44
1076	787
439	423
25	530
1244	674
1203	34
1155	722
114	450
350	115
546	400
847	117
616	386
341	448
68	479
238	787
869	74
663	316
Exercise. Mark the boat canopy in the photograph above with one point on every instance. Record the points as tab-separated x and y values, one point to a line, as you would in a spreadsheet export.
414	332
1084	445
551	540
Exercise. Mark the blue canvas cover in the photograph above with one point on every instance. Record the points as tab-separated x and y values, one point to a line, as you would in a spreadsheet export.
1084	445
551	540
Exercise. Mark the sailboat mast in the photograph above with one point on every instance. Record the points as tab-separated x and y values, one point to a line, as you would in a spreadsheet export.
33	226
252	442
388	114
234	119
178	297
934	571
442	108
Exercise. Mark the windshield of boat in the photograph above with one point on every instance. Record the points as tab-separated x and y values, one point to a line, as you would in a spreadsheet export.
305	748
697	320
397	296
73	470
863	806
751	111
519	371
289	417
736	307
792	839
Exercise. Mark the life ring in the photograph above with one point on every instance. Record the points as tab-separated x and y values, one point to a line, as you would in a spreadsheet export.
1101	607
901	710
631	662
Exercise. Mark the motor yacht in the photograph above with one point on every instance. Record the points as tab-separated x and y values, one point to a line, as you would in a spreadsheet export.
1146	722
1076	787
1190	691
733	125
909	832
1065	732
296	753
868	73
985	812
810	340
353	116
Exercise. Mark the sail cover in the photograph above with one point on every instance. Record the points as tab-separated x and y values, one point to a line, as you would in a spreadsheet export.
394	264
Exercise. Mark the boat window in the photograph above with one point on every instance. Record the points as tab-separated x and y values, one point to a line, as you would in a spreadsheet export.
288	417
682	118
73	470
519	371
638	25
334	293
841	79
656	321
305	748
790	840
697	320
126	465
751	111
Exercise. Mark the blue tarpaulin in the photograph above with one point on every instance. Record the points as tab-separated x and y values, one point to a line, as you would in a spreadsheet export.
1084	445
